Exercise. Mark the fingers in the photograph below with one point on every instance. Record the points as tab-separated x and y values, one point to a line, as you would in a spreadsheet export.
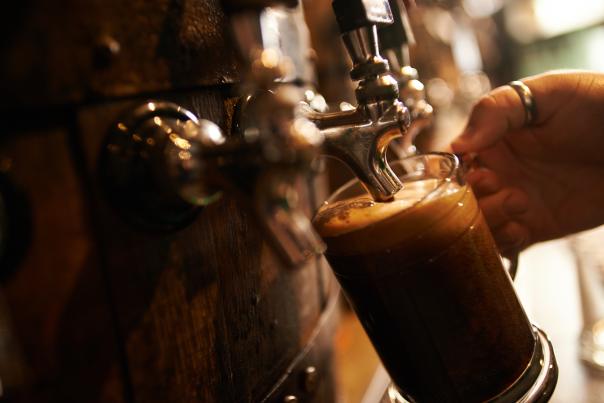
504	206
502	111
511	238
484	182
503	210
492	117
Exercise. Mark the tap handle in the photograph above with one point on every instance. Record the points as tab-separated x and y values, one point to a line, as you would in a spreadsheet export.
399	33
355	14
237	6
249	31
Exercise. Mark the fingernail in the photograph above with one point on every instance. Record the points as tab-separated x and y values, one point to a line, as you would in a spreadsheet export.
515	203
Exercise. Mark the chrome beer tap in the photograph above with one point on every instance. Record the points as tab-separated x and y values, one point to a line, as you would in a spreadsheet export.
161	163
360	137
287	143
395	40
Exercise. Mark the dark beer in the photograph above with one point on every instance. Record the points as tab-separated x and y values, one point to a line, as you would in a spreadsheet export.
424	277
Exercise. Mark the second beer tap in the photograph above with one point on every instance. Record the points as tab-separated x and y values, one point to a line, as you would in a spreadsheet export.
360	137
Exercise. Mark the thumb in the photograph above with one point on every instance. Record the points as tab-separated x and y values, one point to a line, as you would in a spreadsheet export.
492	117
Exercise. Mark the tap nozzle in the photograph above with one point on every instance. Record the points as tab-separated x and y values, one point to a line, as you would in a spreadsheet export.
360	137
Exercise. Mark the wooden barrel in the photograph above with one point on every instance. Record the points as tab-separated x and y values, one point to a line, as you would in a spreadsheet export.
94	308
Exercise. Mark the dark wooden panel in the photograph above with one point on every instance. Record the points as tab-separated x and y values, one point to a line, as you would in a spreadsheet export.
204	314
63	347
100	310
207	313
63	51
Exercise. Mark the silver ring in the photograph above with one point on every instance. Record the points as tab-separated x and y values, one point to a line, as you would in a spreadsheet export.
528	101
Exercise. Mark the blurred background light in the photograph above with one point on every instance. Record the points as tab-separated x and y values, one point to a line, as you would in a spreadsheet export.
556	17
482	8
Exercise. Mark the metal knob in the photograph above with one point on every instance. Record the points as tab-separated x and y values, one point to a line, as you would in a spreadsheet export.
151	165
160	164
413	94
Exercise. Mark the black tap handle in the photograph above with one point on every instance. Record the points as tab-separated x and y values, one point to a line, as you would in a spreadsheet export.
399	33
354	14
236	6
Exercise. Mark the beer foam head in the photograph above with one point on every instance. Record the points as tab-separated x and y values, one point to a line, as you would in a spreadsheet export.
359	224
334	219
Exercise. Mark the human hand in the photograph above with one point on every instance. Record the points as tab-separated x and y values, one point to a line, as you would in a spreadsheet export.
547	180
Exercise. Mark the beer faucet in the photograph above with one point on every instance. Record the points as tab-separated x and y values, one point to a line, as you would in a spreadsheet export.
395	40
160	163
360	137
168	162
287	142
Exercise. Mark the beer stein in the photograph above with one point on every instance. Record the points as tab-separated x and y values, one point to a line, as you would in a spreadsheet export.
424	276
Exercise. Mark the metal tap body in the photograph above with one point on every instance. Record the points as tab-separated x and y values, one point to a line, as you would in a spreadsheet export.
360	137
279	144
395	40
189	160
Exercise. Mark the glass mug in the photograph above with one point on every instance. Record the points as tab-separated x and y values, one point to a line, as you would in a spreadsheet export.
425	278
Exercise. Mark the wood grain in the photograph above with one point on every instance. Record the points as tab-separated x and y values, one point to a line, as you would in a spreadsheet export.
57	308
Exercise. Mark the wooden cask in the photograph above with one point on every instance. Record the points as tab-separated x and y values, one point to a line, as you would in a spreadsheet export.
95	308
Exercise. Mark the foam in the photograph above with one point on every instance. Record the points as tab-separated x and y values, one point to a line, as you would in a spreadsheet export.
360	224
356	213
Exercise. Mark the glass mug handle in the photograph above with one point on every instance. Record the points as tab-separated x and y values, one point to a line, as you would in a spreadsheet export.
466	163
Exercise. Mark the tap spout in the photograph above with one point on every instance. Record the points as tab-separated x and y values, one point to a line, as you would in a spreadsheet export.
360	138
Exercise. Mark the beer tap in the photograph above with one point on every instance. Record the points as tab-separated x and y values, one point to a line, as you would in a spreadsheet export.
161	163
360	136
287	143
395	40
